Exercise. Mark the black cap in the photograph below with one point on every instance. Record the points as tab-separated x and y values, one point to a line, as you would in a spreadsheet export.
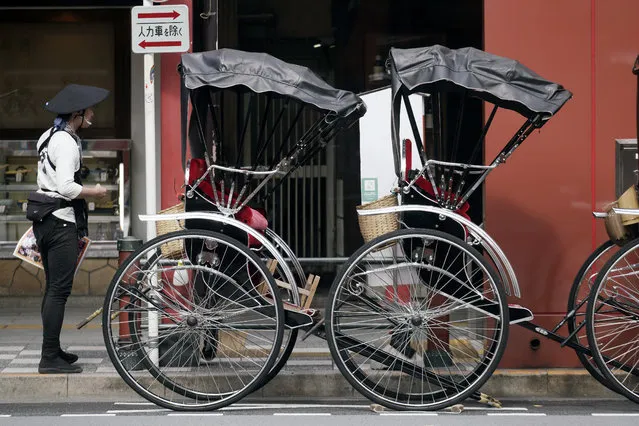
75	97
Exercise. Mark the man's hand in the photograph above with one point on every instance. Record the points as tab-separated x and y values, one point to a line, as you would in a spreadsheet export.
96	192
100	191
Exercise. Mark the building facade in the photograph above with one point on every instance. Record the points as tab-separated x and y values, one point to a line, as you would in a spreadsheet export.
538	206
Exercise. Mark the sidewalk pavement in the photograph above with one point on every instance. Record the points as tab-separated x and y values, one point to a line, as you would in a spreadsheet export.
309	373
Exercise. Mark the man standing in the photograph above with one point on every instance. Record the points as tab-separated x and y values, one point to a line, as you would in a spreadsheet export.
59	214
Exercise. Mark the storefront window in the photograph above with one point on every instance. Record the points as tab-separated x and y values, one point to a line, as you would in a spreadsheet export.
41	51
41	58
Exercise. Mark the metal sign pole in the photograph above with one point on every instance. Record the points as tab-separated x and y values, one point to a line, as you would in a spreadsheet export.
150	178
155	29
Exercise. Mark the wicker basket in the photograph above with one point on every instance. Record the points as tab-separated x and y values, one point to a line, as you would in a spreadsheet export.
173	249
375	225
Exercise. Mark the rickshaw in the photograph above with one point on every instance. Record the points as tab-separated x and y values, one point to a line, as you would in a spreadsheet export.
450	279
612	314
416	319
210	310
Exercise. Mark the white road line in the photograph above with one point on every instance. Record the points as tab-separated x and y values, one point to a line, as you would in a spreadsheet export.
138	411
30	352
5	415
516	414
195	414
133	403
615	414
290	406
88	415
495	409
409	414
301	414
7	356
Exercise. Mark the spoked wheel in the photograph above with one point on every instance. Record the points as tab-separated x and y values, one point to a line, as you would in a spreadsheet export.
578	301
193	320
613	320
417	319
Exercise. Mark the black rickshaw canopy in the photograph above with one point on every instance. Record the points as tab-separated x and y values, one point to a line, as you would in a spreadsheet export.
464	73
207	76
502	81
260	73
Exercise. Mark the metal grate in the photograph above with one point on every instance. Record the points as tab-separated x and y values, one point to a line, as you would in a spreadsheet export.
302	209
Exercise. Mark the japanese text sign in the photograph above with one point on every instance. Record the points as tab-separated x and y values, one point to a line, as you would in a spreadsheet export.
160	29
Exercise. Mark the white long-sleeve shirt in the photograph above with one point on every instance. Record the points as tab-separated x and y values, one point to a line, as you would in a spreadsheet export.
64	151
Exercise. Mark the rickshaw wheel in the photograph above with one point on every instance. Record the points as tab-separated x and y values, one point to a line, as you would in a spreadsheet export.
612	320
578	300
201	286
407	324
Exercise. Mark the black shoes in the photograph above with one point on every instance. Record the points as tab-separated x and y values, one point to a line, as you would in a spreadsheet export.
67	356
57	365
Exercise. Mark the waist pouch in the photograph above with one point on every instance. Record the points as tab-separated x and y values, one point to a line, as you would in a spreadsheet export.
40	206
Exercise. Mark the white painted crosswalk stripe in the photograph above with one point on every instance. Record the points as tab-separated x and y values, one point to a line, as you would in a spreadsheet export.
17	370
85	348
11	348
37	361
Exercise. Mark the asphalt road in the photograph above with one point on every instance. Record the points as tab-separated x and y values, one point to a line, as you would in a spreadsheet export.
351	413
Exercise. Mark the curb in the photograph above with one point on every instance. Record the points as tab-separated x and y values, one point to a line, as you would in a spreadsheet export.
536	384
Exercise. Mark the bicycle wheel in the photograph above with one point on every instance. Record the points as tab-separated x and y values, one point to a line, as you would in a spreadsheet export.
178	293
577	301
612	318
416	320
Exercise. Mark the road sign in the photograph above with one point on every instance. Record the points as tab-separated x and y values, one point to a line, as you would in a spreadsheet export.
160	29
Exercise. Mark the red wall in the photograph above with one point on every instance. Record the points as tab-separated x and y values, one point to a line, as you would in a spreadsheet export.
171	157
539	204
616	47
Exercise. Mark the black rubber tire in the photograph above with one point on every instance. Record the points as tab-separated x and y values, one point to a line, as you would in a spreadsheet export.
153	370
575	292
483	372
590	313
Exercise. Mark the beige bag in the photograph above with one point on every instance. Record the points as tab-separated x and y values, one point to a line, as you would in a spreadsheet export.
628	200
618	226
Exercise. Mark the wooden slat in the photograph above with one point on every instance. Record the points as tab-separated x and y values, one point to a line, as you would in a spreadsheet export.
307	293
271	265
311	287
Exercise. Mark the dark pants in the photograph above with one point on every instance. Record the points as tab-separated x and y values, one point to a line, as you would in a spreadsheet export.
58	244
